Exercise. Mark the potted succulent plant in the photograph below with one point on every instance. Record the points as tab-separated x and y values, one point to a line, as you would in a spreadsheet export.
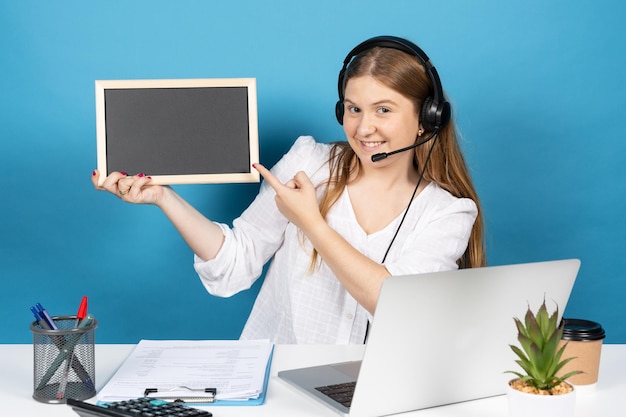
538	391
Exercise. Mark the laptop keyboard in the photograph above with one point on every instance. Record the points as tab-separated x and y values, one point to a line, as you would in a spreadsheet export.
342	393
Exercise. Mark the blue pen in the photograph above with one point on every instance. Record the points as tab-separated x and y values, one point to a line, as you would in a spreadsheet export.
36	314
45	316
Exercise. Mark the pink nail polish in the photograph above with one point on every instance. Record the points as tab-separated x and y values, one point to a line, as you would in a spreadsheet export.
140	175
123	173
93	174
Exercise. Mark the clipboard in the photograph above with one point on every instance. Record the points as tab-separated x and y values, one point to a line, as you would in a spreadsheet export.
182	368
210	399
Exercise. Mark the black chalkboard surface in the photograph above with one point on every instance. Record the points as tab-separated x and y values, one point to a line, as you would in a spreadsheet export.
185	131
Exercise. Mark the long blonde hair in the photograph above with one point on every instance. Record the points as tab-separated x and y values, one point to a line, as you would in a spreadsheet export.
446	166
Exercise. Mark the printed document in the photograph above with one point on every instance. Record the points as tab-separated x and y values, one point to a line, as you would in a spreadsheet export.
235	368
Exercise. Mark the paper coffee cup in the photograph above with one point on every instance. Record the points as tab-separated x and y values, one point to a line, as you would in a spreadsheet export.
584	344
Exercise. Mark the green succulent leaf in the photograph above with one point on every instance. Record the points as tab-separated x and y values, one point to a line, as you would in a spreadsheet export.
570	374
539	354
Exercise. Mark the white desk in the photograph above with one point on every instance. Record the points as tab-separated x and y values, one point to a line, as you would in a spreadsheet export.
16	384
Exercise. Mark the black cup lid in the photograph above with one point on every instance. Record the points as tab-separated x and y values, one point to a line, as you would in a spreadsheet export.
578	330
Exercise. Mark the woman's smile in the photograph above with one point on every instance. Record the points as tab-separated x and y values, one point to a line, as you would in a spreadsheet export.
371	145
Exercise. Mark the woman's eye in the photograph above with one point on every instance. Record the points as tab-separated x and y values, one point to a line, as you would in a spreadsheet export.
353	109
383	110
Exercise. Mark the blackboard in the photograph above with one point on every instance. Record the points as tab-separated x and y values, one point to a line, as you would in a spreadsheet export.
185	131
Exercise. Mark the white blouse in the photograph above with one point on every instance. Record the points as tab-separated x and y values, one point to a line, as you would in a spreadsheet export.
297	306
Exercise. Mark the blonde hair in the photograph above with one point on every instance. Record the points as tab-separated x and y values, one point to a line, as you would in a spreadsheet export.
446	166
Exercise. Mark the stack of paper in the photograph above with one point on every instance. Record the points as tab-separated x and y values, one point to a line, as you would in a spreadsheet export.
237	370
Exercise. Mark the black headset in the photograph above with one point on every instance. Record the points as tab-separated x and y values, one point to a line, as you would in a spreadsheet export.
435	112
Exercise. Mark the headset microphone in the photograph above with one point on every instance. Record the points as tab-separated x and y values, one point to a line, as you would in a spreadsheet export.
380	156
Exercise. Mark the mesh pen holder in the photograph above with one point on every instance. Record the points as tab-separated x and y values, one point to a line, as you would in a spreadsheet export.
63	361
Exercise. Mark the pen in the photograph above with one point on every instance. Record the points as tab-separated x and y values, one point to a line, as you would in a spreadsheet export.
82	311
59	341
64	353
46	317
80	315
36	314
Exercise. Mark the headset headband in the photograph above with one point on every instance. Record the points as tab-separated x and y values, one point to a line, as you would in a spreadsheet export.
435	112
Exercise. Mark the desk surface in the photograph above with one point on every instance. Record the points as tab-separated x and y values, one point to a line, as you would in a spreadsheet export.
16	384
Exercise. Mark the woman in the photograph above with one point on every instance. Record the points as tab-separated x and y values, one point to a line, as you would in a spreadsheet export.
335	222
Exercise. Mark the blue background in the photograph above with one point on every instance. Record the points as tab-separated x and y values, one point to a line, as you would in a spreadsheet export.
536	87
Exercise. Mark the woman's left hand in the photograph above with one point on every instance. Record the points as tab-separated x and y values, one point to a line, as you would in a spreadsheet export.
296	199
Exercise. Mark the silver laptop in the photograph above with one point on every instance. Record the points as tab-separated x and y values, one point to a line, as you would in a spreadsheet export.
440	338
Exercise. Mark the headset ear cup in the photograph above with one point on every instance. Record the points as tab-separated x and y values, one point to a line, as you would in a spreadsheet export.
444	114
339	112
428	116
434	116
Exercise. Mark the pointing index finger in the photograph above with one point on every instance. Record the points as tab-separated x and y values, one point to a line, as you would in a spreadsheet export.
268	176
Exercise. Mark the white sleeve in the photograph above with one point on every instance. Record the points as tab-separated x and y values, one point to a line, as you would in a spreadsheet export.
258	233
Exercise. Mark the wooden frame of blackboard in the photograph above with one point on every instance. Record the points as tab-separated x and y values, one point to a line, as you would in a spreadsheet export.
156	127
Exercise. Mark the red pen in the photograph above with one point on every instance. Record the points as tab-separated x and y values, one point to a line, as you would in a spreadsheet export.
82	311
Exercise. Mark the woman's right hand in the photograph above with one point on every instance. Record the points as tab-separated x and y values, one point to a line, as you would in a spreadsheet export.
203	236
132	189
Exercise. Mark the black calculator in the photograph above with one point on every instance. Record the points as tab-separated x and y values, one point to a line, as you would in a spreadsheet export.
140	407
